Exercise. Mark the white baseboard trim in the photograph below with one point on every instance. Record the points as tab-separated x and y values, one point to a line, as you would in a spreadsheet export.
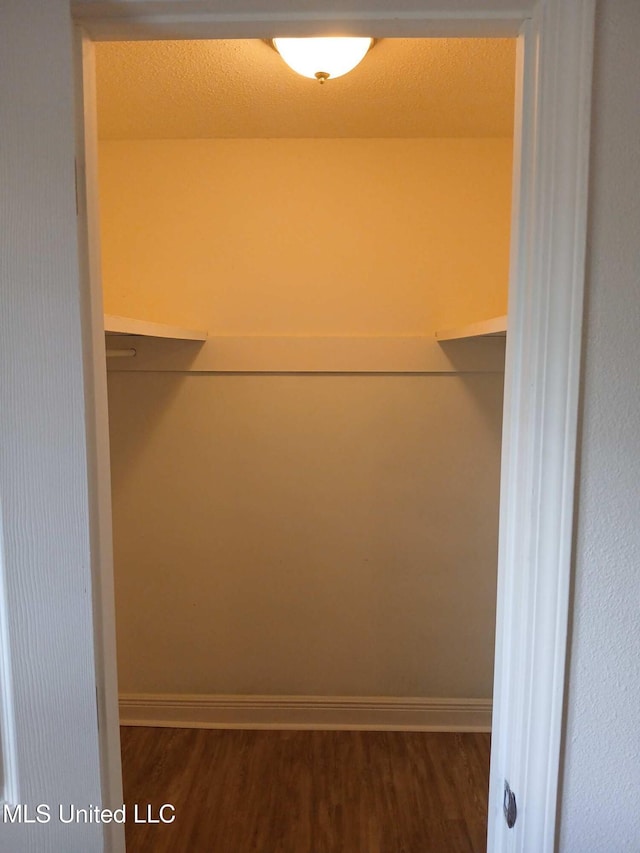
306	712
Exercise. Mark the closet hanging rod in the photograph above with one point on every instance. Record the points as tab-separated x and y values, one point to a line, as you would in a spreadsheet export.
121	353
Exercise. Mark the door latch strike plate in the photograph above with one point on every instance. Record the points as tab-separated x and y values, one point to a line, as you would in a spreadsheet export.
509	806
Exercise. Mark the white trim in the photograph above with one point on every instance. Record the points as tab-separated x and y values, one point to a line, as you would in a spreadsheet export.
116	325
377	713
9	791
540	426
113	20
496	326
314	355
97	431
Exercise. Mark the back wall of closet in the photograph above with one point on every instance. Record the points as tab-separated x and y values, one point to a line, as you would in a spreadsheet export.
306	534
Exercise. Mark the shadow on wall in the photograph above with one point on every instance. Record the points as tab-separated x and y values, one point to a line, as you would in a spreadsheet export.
306	535
137	422
459	354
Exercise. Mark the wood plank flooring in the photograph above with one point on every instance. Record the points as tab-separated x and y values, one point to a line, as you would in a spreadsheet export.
307	792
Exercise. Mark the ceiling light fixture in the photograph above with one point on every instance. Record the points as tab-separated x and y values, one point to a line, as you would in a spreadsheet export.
322	59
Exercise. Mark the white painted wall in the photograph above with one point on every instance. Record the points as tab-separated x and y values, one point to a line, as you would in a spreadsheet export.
306	535
306	236
601	779
46	559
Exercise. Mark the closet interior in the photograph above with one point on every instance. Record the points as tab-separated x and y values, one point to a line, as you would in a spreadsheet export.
305	295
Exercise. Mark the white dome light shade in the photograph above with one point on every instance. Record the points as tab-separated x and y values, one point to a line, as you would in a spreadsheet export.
322	58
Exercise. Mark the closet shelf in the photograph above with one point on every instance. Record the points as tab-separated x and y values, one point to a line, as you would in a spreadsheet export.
495	327
114	325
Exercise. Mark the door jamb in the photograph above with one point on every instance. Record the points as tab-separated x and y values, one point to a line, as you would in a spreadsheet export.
543	359
542	380
97	431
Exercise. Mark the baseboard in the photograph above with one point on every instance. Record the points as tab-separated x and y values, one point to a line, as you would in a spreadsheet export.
306	712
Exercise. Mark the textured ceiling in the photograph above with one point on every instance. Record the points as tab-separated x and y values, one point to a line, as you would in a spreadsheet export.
242	88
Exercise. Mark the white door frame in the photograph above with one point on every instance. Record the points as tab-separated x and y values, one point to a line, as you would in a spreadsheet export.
97	428
555	39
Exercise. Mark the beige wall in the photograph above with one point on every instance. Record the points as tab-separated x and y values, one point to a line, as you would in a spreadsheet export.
328	535
307	237
296	534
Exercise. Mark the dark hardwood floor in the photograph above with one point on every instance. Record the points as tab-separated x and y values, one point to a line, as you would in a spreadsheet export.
307	792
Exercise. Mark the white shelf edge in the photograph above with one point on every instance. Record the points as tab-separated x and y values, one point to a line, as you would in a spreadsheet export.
287	354
114	325
494	327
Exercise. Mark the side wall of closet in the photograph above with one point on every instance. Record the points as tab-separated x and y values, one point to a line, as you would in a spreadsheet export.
307	534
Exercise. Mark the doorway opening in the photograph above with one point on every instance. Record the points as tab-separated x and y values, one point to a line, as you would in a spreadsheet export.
305	503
